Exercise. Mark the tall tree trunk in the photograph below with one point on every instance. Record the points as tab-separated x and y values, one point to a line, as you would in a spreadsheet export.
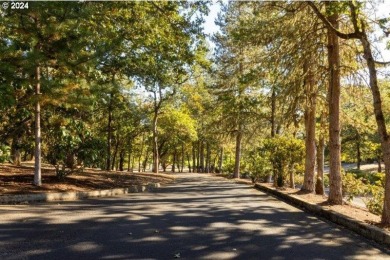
310	126
360	33
194	166
189	162
155	143
15	150
115	155
358	152
236	173
145	162
37	169
208	157
220	160
132	163
109	133
201	157
213	164
182	158
198	157
25	155
292	172
174	160
320	166
122	154
129	166
273	112
335	185
140	153
381	124
163	165
273	132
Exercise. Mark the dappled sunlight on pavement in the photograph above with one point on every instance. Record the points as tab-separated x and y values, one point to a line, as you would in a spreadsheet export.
197	217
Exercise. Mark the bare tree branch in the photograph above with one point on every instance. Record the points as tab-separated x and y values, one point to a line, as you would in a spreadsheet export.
354	35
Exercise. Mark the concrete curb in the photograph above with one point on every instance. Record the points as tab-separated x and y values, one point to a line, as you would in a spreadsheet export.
359	227
69	196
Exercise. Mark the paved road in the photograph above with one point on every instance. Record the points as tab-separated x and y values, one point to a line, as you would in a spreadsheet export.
198	217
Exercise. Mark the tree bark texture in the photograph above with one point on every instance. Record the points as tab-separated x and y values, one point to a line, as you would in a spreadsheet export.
358	153
15	150
182	158
38	139
122	154
201	156
198	157
189	162
114	160
194	166
381	124
320	166
109	134
236	173
141	151
174	160
208	157
335	185
155	143
292	173
273	112
310	127
220	160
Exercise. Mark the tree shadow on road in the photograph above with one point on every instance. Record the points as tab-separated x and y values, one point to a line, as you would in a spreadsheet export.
189	220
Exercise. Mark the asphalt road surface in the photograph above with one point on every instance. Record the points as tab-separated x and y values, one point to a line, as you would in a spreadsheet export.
197	217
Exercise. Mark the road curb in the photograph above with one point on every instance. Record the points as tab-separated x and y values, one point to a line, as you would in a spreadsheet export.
359	227
69	196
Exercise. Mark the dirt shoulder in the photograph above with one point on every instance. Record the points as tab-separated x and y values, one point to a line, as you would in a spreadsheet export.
351	211
19	180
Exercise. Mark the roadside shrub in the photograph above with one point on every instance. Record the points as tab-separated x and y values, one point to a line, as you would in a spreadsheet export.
228	167
4	153
366	177
286	155
244	175
299	179
326	180
261	176
375	195
374	202
280	181
371	185
352	186
258	165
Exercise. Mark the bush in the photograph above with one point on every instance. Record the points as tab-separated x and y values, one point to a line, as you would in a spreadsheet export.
371	185
228	167
259	176
375	194
326	180
374	203
280	181
4	153
245	175
299	179
352	186
285	155
366	177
